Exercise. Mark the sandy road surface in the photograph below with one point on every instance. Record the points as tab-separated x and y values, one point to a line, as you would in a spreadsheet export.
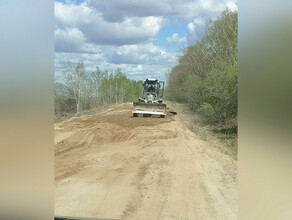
111	165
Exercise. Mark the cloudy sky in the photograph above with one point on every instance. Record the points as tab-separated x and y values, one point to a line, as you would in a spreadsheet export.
142	37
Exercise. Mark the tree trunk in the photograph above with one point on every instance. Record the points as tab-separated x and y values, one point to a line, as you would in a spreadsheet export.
122	94
78	104
116	93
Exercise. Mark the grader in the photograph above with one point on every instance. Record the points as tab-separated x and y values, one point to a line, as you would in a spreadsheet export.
151	102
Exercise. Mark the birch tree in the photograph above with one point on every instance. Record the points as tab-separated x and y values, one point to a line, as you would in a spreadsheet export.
74	80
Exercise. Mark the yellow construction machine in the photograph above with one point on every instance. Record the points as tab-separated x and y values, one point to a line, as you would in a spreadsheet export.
151	102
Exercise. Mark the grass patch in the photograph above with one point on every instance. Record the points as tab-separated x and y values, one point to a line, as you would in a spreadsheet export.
66	116
223	138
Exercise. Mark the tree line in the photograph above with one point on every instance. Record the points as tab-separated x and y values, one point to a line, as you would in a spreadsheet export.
206	75
81	90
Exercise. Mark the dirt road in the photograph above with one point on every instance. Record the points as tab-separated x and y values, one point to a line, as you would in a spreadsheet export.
111	165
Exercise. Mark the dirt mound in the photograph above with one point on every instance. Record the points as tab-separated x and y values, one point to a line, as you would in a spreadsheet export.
111	165
113	126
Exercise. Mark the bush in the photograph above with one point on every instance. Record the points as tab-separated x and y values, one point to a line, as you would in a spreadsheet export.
206	77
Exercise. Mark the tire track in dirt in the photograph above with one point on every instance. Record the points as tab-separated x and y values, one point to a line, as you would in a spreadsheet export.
111	165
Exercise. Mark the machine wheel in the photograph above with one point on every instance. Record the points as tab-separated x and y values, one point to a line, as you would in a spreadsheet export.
162	116
135	114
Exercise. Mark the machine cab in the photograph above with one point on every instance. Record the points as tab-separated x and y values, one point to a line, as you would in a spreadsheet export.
152	86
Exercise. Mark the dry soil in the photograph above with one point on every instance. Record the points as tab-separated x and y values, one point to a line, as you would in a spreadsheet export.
111	165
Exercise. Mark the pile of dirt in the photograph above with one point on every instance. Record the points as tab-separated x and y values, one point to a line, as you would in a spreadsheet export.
111	165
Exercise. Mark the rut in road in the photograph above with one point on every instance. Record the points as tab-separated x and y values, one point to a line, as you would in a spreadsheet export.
111	165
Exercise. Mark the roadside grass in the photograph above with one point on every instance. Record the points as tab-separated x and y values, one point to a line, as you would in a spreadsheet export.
63	117
224	139
59	118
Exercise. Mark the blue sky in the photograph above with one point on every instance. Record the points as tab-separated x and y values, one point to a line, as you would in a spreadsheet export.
166	32
144	38
76	2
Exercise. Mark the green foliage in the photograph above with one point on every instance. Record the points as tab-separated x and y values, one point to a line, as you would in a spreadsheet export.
206	77
219	92
64	101
84	91
207	109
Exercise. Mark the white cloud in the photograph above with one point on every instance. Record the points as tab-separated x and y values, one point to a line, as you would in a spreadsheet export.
69	39
137	21
140	54
188	10
203	9
175	40
195	30
232	6
120	34
118	10
135	60
139	67
70	15
131	30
